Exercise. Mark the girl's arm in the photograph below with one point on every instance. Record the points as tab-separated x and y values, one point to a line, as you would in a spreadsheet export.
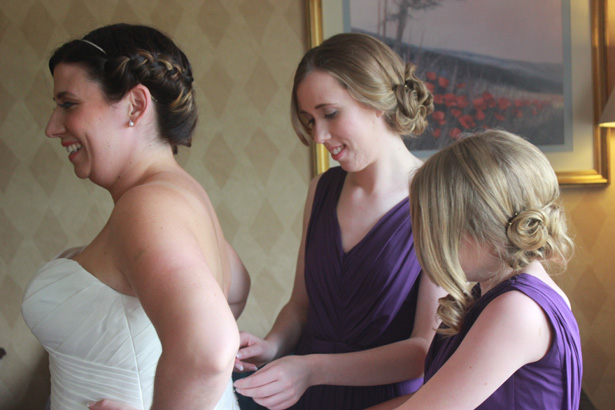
511	332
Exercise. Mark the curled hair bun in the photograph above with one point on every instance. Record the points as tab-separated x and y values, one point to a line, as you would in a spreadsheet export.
414	103
527	230
533	234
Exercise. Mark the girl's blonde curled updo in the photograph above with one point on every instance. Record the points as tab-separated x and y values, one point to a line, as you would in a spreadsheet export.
499	190
534	234
374	75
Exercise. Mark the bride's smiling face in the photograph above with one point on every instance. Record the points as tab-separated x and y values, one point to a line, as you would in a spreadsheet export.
86	123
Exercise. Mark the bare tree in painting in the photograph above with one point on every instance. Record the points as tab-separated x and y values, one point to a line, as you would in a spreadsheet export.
406	9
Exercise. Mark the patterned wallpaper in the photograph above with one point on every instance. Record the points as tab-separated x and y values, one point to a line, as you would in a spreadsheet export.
590	282
245	154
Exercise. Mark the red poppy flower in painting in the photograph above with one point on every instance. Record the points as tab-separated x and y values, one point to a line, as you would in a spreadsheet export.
438	99
479	104
443	82
462	101
503	103
498	117
431	76
455	133
436	133
439	117
489	100
430	87
450	100
480	115
467	121
455	112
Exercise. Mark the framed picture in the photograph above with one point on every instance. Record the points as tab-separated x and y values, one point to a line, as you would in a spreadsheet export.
548	84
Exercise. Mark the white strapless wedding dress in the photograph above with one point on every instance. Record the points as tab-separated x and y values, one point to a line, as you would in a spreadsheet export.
101	343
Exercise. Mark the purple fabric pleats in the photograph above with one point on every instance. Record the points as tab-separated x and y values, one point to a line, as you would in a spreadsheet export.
360	299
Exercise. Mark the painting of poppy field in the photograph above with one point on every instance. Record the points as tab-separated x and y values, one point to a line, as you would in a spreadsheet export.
475	93
488	64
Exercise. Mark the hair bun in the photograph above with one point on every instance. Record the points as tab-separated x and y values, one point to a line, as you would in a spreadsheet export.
535	234
414	104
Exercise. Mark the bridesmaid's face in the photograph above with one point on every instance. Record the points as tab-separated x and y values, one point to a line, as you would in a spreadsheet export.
349	130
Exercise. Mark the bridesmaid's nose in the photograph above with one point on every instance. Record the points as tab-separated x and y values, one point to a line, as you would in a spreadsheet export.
320	133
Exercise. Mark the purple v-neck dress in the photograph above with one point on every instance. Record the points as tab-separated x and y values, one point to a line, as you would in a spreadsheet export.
358	300
553	382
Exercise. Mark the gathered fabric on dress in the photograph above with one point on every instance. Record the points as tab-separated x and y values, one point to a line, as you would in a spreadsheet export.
358	300
553	382
101	343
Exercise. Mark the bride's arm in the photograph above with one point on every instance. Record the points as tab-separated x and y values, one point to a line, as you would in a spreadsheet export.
156	249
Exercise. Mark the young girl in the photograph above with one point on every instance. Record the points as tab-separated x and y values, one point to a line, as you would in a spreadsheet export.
485	210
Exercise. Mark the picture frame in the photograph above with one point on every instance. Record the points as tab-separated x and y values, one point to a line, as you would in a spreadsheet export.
587	163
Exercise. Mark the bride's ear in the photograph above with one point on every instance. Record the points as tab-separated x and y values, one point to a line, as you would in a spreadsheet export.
140	100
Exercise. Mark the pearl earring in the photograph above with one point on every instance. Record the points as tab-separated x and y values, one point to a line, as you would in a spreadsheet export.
131	124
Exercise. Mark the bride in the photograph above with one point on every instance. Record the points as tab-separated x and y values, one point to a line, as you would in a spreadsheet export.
140	317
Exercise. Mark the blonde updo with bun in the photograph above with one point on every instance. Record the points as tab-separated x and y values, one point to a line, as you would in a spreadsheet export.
374	75
501	191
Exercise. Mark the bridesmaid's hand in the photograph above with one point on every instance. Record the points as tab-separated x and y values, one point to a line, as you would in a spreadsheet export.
107	404
253	352
280	384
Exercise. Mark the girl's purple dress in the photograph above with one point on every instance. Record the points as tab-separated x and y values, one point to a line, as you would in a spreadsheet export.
358	300
553	382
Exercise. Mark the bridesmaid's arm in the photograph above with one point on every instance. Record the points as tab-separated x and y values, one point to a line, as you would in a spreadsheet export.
286	330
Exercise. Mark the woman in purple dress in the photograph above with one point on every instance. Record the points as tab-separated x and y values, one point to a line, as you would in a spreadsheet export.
361	316
485	210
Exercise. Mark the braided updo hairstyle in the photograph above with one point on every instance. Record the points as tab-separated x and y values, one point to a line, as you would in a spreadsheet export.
499	190
121	56
374	75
